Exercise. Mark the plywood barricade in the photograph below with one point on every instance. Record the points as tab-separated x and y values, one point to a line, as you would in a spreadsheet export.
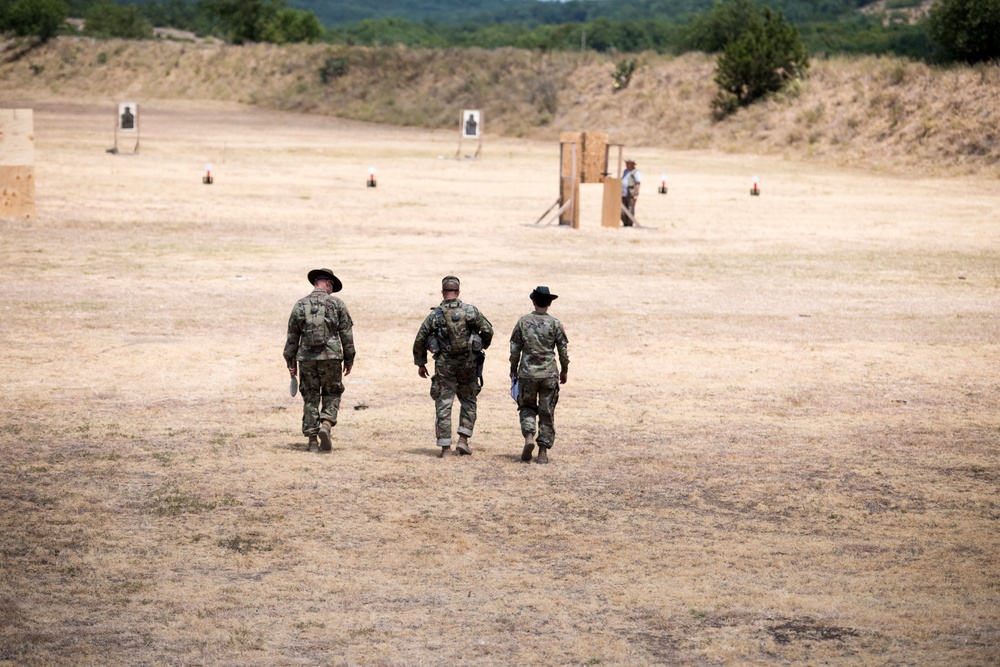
17	163
585	157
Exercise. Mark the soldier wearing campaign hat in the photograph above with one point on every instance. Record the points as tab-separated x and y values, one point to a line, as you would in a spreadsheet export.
321	343
536	339
456	334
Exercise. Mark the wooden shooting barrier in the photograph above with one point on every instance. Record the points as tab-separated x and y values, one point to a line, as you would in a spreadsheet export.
17	163
585	157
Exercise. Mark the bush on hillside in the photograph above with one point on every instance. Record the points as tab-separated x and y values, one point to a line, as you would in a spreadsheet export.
760	60
334	68
42	18
968	29
623	73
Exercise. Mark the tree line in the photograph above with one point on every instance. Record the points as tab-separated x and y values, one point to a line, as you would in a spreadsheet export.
956	30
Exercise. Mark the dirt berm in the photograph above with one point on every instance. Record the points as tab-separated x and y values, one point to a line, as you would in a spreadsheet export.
874	112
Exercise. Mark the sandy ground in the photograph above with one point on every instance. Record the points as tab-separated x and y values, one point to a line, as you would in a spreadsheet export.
777	445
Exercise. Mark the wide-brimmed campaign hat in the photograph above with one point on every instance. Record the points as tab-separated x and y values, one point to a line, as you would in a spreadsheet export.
542	292
316	274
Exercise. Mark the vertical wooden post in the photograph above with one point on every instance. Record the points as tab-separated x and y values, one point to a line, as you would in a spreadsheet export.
569	185
17	163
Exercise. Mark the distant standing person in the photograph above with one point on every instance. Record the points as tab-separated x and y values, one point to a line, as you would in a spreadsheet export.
534	342
456	334
321	340
631	182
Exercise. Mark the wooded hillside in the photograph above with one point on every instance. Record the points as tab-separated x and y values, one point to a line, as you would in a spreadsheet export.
882	112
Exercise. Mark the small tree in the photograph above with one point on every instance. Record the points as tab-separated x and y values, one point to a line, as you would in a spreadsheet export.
244	20
712	30
623	73
264	21
43	18
761	59
106	19
291	25
968	29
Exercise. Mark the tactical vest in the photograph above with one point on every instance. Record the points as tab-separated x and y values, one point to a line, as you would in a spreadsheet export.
456	332
631	183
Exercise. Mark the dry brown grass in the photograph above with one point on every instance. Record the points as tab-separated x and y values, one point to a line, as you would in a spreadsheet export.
884	113
777	446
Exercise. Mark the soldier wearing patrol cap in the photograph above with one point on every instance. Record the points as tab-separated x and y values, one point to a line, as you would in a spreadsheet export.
321	341
455	334
534	342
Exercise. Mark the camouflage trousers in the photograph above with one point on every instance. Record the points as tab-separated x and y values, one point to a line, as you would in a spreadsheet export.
536	399
321	384
451	379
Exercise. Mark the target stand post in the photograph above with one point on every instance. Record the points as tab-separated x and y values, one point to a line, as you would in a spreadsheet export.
17	164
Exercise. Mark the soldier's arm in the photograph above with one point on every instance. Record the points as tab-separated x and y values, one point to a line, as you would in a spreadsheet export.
292	340
485	329
516	344
420	342
562	346
345	328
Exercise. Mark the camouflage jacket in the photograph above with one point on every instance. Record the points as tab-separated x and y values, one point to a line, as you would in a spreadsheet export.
533	343
429	336
340	344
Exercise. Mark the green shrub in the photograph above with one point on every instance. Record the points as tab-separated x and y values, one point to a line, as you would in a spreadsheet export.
623	73
42	18
968	29
759	60
334	68
106	19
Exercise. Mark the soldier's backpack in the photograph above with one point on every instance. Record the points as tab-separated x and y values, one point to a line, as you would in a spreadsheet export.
456	330
318	326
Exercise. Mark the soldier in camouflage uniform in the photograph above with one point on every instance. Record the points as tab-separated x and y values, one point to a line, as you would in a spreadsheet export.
321	340
456	334
533	343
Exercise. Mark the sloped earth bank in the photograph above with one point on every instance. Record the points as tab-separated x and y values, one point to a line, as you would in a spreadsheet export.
883	113
777	444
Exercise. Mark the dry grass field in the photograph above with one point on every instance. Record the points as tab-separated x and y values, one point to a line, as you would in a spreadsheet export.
777	446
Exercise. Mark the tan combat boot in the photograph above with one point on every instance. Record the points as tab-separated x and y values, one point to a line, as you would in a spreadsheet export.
463	446
325	444
543	455
529	446
313	442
